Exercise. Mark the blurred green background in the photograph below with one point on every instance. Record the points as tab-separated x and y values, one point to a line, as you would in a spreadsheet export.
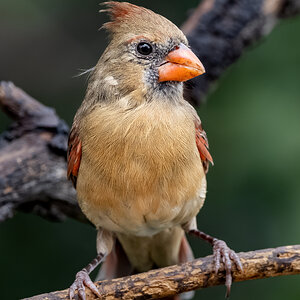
253	123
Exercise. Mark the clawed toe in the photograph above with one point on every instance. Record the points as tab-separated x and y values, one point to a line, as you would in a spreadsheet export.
82	280
228	256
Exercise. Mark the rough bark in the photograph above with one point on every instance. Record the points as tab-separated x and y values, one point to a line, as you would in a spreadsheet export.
32	160
219	31
194	275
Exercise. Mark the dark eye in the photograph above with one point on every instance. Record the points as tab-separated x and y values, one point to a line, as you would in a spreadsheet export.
144	48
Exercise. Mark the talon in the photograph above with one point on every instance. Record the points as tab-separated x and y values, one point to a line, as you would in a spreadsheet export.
92	287
71	293
228	289
228	281
217	257
82	280
236	260
81	293
228	256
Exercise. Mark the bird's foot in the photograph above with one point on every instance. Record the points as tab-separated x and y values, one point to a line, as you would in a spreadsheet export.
223	253
82	279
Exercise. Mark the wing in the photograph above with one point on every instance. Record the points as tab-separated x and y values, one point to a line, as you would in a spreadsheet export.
202	145
74	155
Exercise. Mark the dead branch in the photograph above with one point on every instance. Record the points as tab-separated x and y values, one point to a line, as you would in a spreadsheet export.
194	275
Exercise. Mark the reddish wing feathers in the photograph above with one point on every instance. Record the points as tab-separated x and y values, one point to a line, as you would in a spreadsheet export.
202	145
74	155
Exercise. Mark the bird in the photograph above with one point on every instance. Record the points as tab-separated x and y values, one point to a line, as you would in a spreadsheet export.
137	152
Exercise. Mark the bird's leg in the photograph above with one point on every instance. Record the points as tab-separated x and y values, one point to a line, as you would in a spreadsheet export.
104	247
221	252
83	279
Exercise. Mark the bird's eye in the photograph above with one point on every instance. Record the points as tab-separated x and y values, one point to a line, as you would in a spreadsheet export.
144	48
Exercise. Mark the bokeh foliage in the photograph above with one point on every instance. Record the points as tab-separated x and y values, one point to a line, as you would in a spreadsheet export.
252	119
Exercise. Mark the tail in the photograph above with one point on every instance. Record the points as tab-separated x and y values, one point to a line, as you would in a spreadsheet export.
132	255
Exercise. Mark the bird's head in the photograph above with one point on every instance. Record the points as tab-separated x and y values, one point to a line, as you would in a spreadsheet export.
147	53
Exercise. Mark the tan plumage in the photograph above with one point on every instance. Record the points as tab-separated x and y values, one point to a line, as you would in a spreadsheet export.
140	171
148	165
137	151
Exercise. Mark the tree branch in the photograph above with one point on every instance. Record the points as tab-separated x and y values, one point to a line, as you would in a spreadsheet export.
194	275
219	31
32	160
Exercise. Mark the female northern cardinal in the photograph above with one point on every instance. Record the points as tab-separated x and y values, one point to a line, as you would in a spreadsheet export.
137	152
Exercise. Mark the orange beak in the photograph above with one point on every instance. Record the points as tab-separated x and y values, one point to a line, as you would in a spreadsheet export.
181	64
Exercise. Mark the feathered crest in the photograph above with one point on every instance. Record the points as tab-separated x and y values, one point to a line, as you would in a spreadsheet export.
126	17
122	11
